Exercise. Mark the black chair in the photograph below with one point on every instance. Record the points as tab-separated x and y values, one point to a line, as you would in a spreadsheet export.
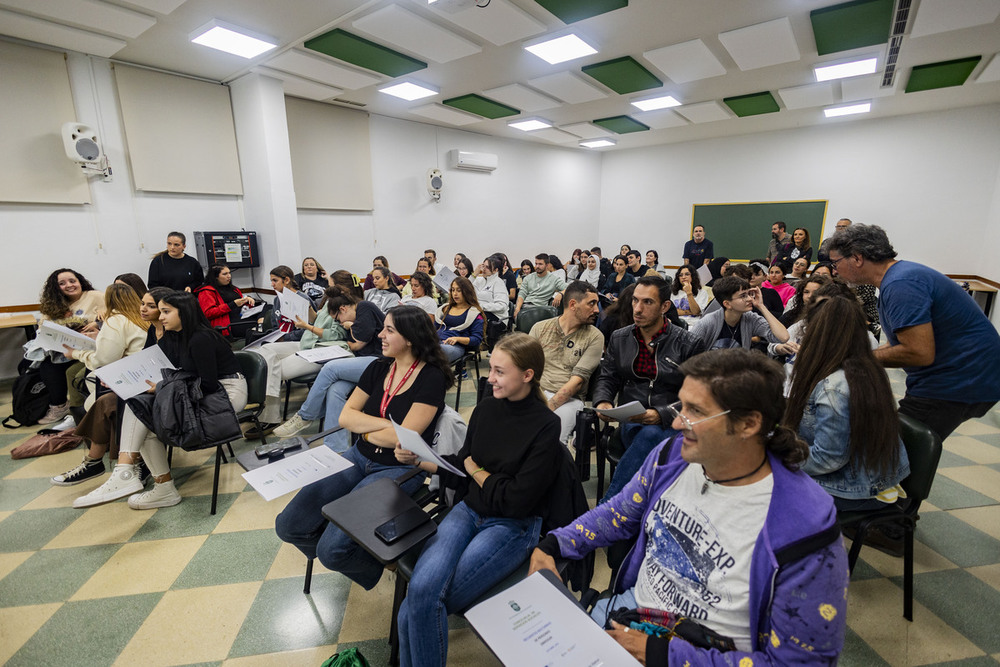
254	369
531	315
923	449
459	367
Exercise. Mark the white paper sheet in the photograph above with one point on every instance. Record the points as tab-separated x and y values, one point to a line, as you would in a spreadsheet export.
532	624
293	305
234	253
269	338
623	412
293	472
52	336
704	274
247	311
443	279
127	376
412	441
320	355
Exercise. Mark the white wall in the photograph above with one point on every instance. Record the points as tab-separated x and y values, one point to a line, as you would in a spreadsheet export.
931	180
122	229
541	198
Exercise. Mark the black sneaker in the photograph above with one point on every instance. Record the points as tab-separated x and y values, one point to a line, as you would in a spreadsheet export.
143	471
265	429
84	471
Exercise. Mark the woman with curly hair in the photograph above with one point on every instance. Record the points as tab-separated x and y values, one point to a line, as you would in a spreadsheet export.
68	299
460	321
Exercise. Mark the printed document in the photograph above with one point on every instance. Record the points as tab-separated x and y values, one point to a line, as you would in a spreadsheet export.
269	338
293	472
444	278
534	624
321	355
623	412
412	441
127	376
247	311
52	336
293	306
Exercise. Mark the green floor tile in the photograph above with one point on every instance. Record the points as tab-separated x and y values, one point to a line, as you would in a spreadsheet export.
951	460
16	493
988	438
964	602
229	558
376	651
28	530
91	632
981	661
191	517
857	653
957	541
947	494
863	570
53	575
282	618
9	465
11	438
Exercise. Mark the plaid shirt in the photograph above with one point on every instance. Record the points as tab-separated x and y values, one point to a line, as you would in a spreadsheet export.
645	362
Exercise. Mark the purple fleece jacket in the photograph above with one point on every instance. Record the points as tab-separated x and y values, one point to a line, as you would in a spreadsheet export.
797	612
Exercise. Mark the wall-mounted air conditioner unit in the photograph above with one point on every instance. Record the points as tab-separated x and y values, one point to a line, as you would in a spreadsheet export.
472	161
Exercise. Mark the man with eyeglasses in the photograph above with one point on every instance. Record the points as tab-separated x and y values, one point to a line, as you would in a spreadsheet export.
742	317
934	331
823	254
727	531
641	364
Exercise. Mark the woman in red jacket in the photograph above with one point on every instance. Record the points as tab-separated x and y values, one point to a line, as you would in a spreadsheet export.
220	300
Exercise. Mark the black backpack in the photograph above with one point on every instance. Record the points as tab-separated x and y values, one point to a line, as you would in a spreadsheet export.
31	401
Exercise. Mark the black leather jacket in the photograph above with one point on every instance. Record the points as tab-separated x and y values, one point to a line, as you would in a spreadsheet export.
617	376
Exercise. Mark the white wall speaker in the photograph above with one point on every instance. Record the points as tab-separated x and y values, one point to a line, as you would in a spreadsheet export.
81	143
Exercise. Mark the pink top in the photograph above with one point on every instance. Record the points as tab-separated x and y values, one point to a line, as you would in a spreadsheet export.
784	290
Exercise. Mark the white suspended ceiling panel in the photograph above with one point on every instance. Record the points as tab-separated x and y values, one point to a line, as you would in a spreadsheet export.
299	87
687	61
63	37
87	14
762	45
322	70
405	30
445	114
499	23
567	87
521	97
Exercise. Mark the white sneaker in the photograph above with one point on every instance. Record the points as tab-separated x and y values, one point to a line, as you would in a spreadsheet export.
124	481
66	424
162	494
292	426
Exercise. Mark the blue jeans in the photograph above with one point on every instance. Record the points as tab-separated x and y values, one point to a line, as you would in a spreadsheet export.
301	523
600	611
639	440
467	556
453	352
332	388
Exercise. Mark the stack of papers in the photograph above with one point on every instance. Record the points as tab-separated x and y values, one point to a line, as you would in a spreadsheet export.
52	336
127	376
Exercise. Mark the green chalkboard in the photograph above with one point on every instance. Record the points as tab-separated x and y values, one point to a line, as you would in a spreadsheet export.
743	231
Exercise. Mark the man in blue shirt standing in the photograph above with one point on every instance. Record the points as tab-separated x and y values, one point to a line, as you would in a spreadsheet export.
935	331
698	250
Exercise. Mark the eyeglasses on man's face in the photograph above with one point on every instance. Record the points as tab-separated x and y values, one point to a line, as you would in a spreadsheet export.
675	410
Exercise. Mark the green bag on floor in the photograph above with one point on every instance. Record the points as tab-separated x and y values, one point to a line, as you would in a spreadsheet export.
350	658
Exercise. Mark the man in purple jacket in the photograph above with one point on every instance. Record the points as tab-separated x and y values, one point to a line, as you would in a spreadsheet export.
727	531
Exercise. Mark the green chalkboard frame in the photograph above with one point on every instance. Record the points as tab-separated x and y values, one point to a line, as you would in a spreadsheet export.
742	231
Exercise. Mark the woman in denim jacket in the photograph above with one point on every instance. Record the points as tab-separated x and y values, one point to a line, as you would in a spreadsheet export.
841	405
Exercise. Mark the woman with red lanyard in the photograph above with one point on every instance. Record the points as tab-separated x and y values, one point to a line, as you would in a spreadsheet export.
406	386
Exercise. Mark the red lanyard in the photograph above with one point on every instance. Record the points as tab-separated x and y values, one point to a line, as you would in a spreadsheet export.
389	394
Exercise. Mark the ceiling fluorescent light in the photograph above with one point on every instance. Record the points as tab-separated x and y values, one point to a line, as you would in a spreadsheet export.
230	39
844	70
597	143
833	112
561	49
409	91
529	124
654	103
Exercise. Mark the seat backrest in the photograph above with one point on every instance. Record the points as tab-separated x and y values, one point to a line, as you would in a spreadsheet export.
923	449
530	316
254	369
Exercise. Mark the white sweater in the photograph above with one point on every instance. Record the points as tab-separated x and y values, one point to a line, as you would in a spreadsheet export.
119	337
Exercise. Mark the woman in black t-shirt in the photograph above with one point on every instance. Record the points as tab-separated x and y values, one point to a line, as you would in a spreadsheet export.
406	386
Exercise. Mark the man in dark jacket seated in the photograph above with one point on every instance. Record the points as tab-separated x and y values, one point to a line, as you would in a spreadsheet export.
641	364
728	532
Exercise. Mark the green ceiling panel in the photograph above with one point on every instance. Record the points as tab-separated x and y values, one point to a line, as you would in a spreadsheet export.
621	124
623	75
357	51
570	11
851	25
941	75
481	106
753	104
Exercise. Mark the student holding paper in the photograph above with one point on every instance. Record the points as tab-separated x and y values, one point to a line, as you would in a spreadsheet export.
283	363
295	304
406	386
123	332
98	426
512	456
68	299
191	344
221	300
